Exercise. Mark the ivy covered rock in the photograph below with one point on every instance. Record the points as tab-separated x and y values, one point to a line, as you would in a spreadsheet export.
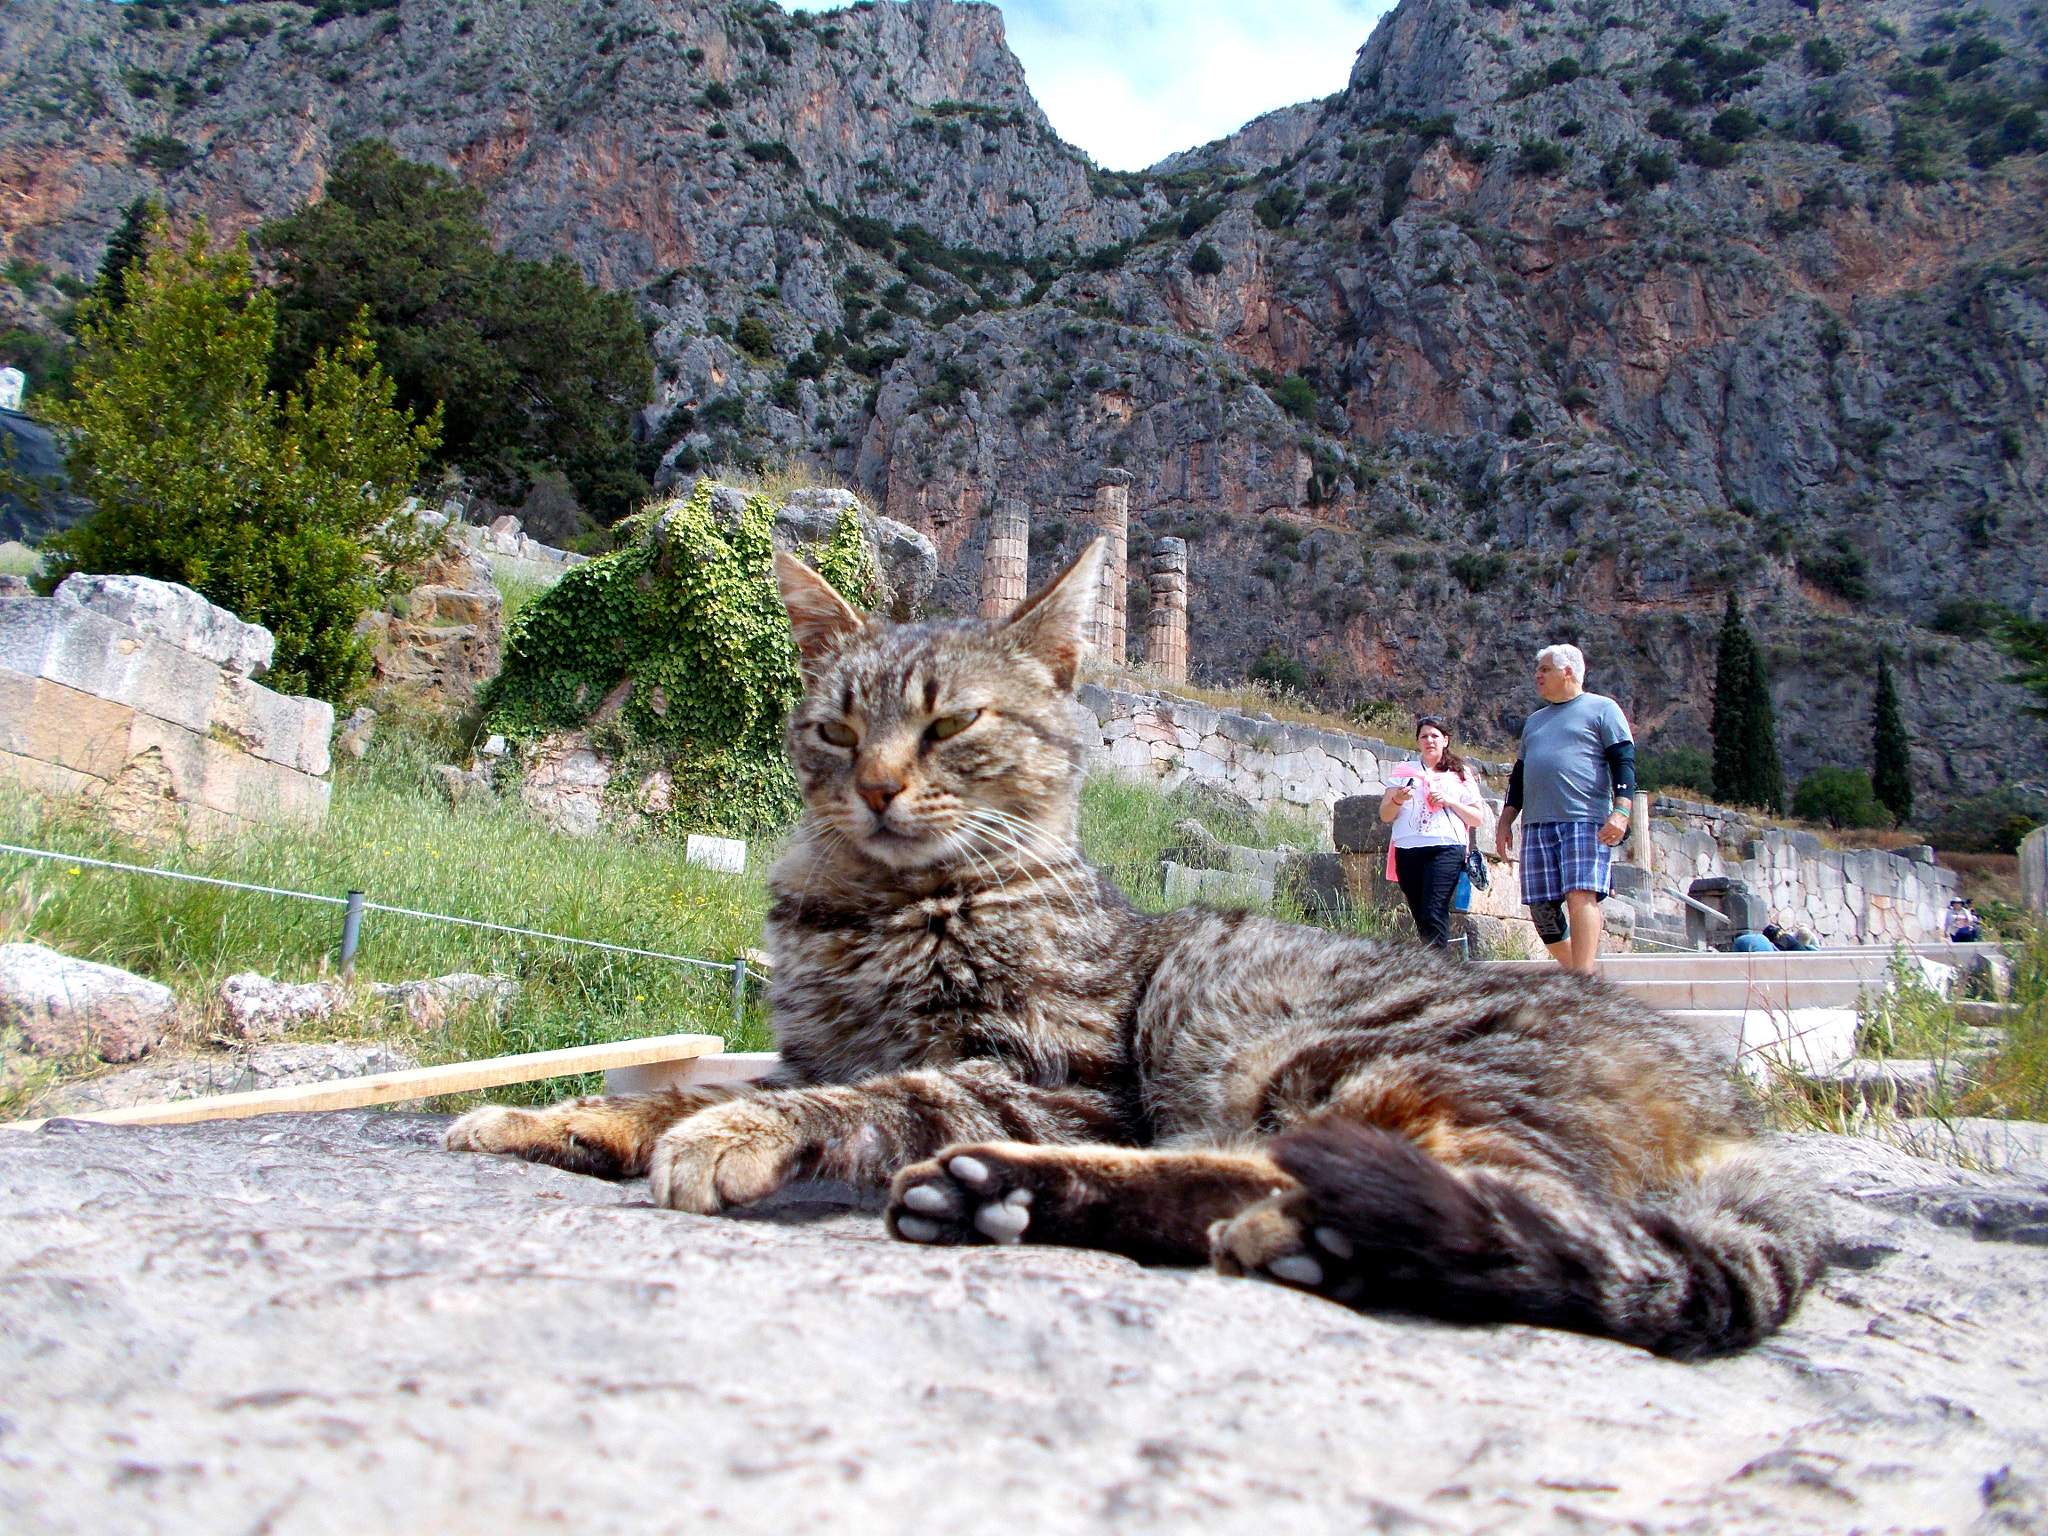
671	657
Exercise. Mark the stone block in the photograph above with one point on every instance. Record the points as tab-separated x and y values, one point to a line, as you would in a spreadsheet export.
1316	883
728	855
93	654
46	778
174	614
1214	887
252	788
279	728
66	1007
51	723
1356	825
253	1007
2034	870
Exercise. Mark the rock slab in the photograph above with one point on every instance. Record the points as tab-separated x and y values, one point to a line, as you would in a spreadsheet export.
66	1007
324	1323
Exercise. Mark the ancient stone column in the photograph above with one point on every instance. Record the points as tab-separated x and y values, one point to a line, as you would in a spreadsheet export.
1166	626
1005	565
1112	517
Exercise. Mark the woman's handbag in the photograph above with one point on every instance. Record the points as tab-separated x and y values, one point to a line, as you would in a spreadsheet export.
1475	864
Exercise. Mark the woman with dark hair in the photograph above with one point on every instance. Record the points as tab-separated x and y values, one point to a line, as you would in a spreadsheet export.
1433	806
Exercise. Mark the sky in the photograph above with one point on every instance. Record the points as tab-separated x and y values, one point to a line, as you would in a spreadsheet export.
1132	81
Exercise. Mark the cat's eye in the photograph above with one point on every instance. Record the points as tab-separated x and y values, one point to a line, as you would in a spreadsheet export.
952	725
838	734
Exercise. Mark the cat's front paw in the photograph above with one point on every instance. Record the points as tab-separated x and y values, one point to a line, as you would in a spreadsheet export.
976	1194
732	1154
1281	1239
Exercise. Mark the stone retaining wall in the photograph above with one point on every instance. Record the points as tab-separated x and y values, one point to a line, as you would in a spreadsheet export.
1844	895
138	695
1166	740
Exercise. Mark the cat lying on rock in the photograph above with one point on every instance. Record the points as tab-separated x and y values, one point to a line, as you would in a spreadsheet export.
971	1017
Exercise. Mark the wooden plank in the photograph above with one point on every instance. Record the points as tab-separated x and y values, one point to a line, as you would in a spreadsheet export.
732	1067
416	1083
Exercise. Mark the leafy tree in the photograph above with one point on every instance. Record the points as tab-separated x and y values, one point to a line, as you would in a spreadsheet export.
199	473
2026	642
1841	797
1280	671
1745	731
1891	761
1207	260
532	366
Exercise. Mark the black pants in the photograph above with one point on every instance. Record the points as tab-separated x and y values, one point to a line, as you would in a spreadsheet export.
1429	879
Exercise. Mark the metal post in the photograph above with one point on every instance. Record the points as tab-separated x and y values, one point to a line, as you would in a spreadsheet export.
739	992
351	931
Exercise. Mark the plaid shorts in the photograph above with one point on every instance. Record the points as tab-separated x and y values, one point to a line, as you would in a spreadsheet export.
1560	856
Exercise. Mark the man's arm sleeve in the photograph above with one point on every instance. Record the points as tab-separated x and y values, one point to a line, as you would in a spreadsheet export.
1621	767
1515	787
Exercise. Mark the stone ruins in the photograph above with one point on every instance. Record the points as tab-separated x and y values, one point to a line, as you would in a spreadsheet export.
139	695
1166	623
1005	573
1112	519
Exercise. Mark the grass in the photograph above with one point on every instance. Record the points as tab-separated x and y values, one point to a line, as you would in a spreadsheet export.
19	560
515	591
392	838
1125	826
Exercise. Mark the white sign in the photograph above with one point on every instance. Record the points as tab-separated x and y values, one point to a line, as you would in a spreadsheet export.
12	382
727	855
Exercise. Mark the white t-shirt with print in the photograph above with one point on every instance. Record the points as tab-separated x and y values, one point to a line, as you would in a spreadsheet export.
1415	826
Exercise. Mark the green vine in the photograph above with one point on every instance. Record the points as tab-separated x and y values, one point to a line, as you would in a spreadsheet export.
687	614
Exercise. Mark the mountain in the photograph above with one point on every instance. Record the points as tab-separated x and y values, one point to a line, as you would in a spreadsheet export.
1557	321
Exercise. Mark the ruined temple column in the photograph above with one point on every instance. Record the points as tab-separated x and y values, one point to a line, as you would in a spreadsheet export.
1005	565
1112	517
1166	625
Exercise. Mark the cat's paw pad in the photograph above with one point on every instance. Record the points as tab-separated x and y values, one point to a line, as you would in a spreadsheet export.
732	1154
1280	1239
965	1195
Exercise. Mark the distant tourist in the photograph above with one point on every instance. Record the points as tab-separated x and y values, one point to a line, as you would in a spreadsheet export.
1963	926
1573	788
1750	942
1433	805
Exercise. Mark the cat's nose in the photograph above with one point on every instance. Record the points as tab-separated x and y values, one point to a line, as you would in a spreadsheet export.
878	793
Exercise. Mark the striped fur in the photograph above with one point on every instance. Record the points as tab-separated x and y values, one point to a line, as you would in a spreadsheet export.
972	1018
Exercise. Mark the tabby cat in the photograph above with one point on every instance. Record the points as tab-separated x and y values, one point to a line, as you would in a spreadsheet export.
971	1017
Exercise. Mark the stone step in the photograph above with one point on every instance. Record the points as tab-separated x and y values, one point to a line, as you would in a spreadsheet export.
1805	1040
1743	993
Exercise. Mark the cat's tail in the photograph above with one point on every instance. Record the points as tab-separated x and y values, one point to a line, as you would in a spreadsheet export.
1713	1266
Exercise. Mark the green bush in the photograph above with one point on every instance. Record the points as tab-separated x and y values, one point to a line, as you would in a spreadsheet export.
1540	157
271	507
1207	260
1841	797
753	337
1280	670
1296	396
1992	823
1839	567
1479	570
674	651
1679	768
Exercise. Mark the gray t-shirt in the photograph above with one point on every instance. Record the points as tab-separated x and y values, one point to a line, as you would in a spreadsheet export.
1564	759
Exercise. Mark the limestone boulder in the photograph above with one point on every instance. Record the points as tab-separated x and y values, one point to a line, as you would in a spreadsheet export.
176	615
253	1007
427	1002
245	1069
563	780
64	1007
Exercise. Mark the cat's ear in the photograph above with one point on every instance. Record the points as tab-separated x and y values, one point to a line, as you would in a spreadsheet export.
821	620
1057	623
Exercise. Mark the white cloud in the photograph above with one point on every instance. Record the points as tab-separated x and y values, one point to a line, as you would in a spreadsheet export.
1132	81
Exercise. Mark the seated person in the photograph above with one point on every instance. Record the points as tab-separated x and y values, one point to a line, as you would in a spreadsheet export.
1963	925
1750	942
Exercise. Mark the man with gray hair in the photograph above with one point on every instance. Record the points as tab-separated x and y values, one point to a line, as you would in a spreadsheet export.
1573	788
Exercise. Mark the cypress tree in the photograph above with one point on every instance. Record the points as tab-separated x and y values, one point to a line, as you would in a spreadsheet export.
1746	767
128	248
1891	762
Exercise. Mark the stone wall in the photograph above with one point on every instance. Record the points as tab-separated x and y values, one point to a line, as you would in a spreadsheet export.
139	696
1844	895
1167	740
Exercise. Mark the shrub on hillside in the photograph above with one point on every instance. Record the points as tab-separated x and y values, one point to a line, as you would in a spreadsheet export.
674	652
276	508
1678	768
1841	797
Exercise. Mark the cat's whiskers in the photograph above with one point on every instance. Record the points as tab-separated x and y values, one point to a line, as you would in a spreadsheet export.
1005	828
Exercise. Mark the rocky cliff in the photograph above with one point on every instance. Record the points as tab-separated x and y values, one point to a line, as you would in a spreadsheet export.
1559	321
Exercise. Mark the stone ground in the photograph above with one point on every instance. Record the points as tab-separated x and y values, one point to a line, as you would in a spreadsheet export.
323	1323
